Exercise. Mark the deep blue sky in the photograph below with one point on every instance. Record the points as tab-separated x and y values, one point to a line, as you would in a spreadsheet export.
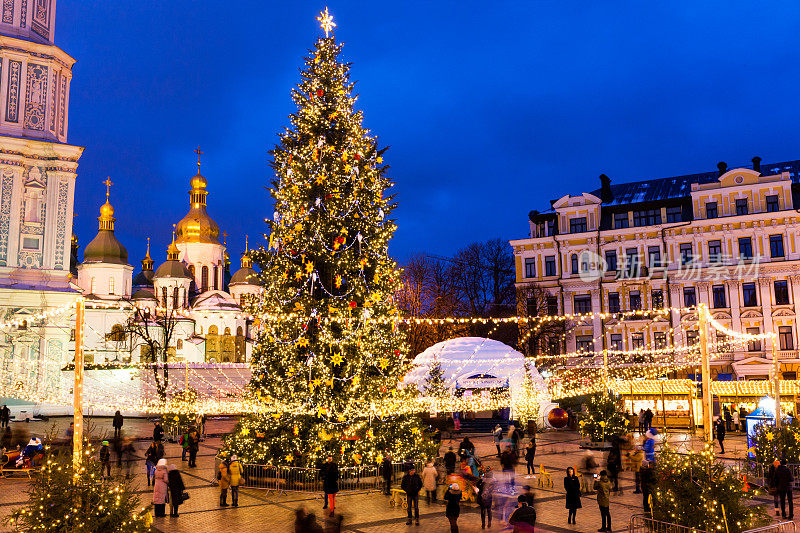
491	109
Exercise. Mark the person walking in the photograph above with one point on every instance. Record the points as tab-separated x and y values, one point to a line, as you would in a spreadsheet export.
726	413
572	487
485	486
176	488
736	419
450	460
742	416
158	432
453	499
128	456
524	518
184	442
641	421
194	447
603	488
587	468
160	487
772	485
386	471
497	436
429	477
236	473
783	482
105	460
117	424
508	460
330	483
648	480
635	458
224	481
412	484
720	427
530	453
648	419
150	460
614	464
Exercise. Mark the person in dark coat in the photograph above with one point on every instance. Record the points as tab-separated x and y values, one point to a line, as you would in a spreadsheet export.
5	415
647	478
508	461
648	419
330	483
386	472
572	486
193	447
783	482
772	481
453	499
176	488
450	460
530	453
158	432
466	448
524	518
720	427
485	486
412	484
150	460
726	413
614	463
117	423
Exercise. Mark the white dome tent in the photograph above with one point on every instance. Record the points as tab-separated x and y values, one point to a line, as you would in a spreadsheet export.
475	363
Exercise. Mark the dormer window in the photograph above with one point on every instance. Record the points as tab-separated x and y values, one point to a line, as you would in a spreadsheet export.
577	225
621	220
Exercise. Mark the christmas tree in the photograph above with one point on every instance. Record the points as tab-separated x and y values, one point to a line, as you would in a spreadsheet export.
603	419
329	360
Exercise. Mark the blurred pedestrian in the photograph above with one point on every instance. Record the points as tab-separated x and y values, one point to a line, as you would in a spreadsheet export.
429	481
614	463
128	454
453	499
572	487
5	416
158	431
635	458
588	468
484	497
508	460
497	436
524	518
105	460
450	459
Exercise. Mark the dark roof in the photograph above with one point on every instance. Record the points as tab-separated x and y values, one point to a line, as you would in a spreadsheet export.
173	269
143	279
245	275
105	248
680	187
143	294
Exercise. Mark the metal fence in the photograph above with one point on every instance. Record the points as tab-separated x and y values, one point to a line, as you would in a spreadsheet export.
757	473
295	479
645	524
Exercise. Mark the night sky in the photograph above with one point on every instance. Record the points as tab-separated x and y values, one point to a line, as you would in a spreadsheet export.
491	109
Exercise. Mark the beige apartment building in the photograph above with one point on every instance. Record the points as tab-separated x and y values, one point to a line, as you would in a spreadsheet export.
729	239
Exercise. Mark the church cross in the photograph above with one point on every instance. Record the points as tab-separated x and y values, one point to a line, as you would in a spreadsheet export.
108	187
199	152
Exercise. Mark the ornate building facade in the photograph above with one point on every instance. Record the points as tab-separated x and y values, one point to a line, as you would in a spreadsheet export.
729	239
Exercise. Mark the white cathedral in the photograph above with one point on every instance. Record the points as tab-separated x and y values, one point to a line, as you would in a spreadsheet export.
40	277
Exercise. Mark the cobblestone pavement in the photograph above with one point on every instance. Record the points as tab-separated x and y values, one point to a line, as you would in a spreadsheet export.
369	512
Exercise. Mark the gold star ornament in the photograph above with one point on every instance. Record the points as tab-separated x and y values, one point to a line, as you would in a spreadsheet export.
326	21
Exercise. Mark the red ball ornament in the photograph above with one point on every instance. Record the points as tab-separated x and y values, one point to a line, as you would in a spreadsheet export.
352	305
358	157
397	353
320	92
558	418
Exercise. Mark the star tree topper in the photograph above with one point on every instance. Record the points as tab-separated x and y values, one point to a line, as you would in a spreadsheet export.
326	21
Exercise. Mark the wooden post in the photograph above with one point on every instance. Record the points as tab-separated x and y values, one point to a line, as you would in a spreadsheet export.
776	380
77	390
708	429
663	407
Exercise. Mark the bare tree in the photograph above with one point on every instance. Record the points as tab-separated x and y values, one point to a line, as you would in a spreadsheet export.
154	330
540	337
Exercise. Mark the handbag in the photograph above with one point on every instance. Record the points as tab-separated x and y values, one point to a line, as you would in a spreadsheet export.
184	496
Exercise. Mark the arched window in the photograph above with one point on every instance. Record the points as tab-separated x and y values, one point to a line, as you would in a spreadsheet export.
93	285
239	331
111	285
163	297
216	278
227	331
212	330
204	279
175	297
191	271
180	344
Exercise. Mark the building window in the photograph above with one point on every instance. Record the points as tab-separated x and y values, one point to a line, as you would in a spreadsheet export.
637	341
791	376
772	203
686	253
552	305
632	259
657	297
179	344
551	227
653	257
574	263
781	292
93	286
647	217
741	206
216	278
583	303
711	210
659	340
553	346
715	251
204	279
533	306
755	344
692	337
675	214
164	297
550	265
613	302
584	343
577	225
530	267
616	341
745	248
718	295
749	295
689	297
785	337
175	297
621	220
776	246
72	334
611	260
635	300
111	285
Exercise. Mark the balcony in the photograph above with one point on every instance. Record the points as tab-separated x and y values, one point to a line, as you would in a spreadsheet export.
787	354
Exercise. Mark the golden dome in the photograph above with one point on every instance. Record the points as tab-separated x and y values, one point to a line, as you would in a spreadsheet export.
106	210
197	226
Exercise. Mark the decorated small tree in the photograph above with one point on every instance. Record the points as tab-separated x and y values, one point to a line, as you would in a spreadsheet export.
697	491
329	360
434	385
770	443
602	419
59	501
